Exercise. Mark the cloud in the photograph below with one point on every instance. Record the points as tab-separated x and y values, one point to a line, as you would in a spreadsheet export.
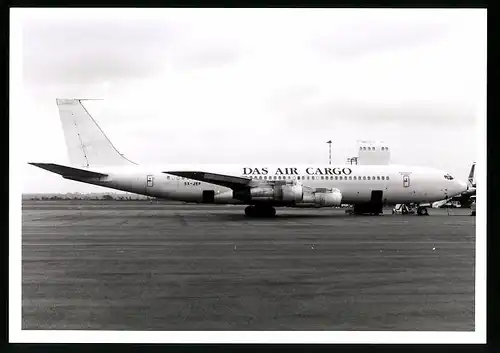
400	114
368	32
354	41
83	52
88	51
208	57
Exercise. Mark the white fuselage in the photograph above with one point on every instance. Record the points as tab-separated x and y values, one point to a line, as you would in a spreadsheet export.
399	184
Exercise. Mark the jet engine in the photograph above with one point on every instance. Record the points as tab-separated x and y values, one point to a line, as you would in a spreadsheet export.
292	192
288	193
321	198
262	193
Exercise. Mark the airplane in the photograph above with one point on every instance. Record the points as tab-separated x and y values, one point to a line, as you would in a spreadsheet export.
465	198
95	160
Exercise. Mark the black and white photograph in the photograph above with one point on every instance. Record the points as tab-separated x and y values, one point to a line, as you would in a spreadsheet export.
260	175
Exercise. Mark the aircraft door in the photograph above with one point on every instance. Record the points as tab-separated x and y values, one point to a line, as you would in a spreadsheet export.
406	181
376	201
208	196
149	183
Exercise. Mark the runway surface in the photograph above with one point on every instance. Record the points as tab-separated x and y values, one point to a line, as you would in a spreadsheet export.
120	265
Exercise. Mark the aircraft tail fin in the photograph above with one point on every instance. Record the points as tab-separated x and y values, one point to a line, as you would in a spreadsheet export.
86	143
471	182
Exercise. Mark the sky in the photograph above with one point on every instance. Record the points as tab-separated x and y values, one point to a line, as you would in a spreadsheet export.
252	86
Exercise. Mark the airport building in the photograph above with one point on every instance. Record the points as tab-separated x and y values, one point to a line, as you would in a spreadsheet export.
371	153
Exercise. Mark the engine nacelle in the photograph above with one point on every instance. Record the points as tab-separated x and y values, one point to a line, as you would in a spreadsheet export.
292	193
260	193
326	198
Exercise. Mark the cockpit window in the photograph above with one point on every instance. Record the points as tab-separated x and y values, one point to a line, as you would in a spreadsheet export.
448	176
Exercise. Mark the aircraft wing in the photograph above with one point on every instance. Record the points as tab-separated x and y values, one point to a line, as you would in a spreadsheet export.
229	181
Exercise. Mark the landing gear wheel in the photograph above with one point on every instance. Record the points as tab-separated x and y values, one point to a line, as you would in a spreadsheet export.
250	211
422	211
260	211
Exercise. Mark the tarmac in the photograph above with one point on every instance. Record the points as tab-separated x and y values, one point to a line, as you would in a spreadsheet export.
124	265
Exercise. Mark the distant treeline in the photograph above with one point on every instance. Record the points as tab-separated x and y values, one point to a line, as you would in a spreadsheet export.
93	196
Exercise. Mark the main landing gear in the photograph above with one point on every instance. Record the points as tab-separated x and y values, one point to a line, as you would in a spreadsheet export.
422	211
260	211
370	209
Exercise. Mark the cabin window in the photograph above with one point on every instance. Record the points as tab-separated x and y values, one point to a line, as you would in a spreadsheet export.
331	178
322	177
265	177
336	178
386	178
368	177
168	176
260	176
350	177
312	178
383	177
364	177
373	178
378	178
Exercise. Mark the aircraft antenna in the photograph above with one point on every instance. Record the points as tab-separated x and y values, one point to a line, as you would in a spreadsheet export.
329	151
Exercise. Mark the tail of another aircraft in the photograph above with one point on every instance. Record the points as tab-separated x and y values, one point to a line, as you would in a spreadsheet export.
87	144
471	182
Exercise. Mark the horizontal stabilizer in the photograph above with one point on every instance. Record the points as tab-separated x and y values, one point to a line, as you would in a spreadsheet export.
68	172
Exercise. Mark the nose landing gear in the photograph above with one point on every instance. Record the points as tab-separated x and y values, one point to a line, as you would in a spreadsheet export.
260	211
